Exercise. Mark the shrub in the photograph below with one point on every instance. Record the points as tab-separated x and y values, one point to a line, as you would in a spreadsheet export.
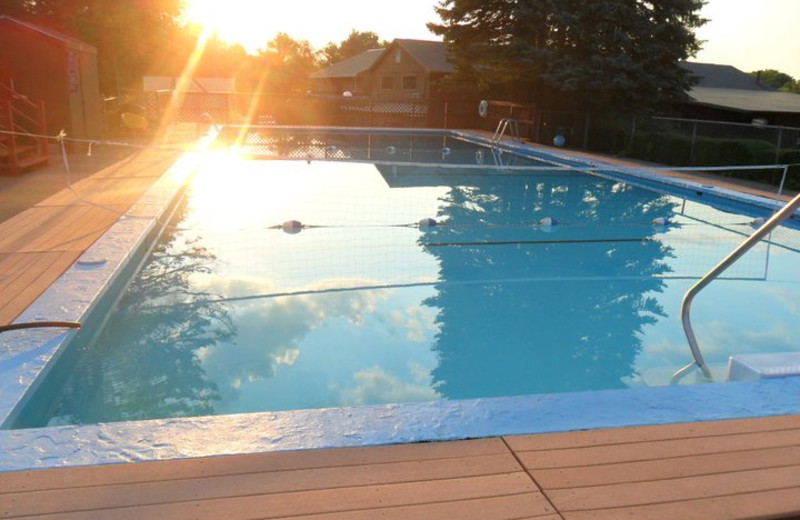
706	151
746	151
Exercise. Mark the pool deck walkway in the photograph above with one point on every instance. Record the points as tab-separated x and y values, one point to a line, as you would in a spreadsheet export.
737	469
731	470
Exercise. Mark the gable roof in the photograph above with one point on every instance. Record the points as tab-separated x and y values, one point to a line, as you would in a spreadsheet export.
710	75
68	41
432	55
350	67
728	87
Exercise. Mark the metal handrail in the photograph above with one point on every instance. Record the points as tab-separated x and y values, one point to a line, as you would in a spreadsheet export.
737	253
502	126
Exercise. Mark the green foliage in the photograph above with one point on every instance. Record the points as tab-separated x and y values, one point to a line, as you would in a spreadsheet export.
603	54
675	149
777	80
792	157
130	36
608	134
354	44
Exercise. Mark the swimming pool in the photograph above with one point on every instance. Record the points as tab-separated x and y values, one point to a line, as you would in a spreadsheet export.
531	281
490	322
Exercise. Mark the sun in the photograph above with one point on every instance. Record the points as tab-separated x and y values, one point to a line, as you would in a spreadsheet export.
250	23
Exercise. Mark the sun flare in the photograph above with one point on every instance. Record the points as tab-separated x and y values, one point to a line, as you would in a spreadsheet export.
246	22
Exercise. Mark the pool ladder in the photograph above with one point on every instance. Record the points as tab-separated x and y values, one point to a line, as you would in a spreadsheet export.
737	253
507	123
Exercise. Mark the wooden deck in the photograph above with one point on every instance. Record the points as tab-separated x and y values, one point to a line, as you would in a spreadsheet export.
40	243
718	470
705	471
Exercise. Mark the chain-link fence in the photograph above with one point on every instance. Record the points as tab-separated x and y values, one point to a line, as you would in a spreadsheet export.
268	109
663	140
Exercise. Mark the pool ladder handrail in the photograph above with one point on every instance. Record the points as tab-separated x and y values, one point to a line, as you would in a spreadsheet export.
737	253
507	123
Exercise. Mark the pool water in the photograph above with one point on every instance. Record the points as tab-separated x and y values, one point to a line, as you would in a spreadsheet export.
231	313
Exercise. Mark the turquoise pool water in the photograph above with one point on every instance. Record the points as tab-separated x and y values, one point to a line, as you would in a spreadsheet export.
233	314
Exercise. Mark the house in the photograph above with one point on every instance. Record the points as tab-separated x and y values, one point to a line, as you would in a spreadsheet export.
406	69
58	69
725	93
344	76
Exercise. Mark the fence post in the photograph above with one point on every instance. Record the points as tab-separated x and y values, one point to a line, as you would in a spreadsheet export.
633	131
694	139
783	179
778	148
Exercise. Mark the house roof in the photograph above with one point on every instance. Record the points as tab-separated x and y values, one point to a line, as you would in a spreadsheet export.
68	41
432	55
747	100
710	75
728	87
350	67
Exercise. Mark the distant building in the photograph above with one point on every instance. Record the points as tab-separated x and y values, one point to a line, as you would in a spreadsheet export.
725	93
156	83
406	69
58	69
344	76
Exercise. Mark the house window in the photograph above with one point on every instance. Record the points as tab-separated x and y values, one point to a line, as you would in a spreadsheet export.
398	56
387	83
409	83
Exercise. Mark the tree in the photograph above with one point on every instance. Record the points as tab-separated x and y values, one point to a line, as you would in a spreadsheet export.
356	43
282	66
598	54
777	80
130	36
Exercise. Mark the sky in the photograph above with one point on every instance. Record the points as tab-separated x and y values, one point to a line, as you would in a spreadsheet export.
748	34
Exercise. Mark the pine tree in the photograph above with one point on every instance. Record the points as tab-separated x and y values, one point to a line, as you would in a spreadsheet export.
589	54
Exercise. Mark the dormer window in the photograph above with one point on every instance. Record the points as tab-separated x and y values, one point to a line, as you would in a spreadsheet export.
398	56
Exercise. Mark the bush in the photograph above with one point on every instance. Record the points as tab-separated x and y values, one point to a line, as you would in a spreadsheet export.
672	148
706	151
793	175
608	134
745	151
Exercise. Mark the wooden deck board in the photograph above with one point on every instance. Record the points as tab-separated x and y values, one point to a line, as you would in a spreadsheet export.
700	464
53	233
242	464
603	437
784	503
306	502
668	471
25	276
260	483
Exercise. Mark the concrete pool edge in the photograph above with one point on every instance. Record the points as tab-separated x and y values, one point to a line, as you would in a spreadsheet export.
166	439
27	355
309	429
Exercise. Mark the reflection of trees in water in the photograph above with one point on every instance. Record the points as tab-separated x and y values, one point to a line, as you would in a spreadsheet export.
585	333
145	363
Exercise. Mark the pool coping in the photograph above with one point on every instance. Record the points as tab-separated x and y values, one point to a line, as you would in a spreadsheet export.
27	356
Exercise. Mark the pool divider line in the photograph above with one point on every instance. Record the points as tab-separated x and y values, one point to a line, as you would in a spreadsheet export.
537	242
411	285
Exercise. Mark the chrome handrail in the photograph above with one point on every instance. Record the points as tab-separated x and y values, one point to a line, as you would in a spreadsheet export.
737	253
502	126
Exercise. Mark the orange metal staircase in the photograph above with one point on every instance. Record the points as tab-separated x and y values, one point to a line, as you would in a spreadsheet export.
22	129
